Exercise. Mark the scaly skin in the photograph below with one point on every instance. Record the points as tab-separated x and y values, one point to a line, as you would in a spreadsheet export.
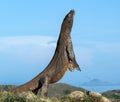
63	59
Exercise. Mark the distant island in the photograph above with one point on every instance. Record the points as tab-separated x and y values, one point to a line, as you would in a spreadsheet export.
97	82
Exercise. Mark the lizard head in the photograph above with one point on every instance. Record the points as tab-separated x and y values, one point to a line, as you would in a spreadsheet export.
67	23
70	15
69	19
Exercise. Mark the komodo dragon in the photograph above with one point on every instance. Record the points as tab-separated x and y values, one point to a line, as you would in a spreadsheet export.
63	59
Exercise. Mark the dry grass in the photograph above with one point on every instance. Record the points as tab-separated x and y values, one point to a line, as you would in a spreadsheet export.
30	97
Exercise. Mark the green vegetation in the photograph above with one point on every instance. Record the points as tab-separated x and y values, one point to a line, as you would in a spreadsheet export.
30	97
61	89
114	94
6	87
58	92
10	97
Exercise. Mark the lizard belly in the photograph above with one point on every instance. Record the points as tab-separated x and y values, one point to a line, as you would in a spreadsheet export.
57	76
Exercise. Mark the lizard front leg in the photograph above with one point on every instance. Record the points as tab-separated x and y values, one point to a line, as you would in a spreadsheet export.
71	56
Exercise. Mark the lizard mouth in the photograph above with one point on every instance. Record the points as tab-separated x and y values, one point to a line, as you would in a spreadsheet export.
71	14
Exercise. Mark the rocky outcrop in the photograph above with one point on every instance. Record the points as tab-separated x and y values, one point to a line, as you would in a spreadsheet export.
77	94
88	96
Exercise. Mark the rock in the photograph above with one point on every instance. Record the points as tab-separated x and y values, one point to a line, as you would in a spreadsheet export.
77	94
31	96
104	99
97	95
94	96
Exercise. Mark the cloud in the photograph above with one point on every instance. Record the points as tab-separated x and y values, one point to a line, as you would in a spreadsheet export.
102	47
27	48
84	56
88	53
40	49
7	42
25	55
108	47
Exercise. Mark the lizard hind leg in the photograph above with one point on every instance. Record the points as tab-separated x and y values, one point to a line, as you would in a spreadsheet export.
42	88
35	91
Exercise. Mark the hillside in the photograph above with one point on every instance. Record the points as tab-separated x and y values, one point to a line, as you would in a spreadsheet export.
113	94
61	89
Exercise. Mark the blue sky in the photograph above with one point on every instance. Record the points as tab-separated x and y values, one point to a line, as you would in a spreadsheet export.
29	31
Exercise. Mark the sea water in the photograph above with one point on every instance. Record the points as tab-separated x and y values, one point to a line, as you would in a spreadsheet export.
101	88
